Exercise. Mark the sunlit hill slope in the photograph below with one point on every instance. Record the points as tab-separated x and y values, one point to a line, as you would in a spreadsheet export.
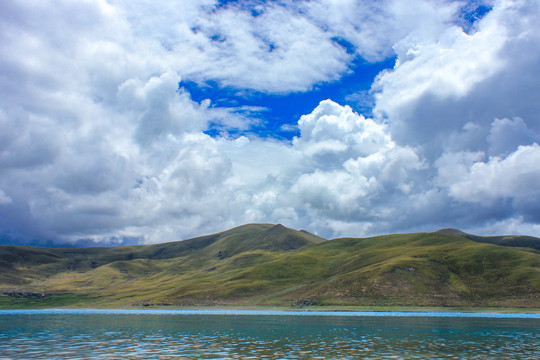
265	264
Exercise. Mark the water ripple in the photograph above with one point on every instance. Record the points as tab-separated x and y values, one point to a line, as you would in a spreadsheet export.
124	336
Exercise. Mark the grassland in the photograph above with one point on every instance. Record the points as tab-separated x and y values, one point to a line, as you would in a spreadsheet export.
271	265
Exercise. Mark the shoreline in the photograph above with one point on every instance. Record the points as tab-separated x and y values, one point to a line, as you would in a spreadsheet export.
264	313
352	308
282	309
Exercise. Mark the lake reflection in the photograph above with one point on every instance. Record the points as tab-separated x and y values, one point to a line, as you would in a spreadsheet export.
204	336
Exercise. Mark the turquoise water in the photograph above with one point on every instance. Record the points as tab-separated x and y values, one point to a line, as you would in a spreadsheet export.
148	334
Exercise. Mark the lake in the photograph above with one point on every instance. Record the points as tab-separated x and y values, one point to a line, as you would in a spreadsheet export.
164	334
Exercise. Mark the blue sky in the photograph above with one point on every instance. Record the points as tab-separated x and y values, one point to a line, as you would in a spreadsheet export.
143	122
280	112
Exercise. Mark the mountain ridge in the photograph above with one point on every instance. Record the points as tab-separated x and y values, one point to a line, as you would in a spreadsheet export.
503	240
267	264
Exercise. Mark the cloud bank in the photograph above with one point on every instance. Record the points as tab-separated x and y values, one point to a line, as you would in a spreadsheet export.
99	141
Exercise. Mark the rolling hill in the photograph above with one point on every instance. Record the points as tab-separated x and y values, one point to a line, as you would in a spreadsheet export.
265	264
505	240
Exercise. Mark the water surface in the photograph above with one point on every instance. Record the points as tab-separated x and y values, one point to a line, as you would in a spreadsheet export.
158	334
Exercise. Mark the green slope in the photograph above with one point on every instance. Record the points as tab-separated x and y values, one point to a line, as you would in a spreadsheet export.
264	264
20	265
504	240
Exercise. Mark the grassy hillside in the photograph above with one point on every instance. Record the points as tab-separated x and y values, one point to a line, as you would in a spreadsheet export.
23	265
264	264
504	240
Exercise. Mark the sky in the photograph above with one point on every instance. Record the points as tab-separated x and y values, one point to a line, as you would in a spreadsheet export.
138	122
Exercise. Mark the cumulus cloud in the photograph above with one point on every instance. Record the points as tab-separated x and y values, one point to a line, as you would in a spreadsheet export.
357	151
160	109
336	172
471	178
439	85
464	100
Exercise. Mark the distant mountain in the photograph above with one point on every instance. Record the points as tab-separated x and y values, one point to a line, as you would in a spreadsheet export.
266	264
505	240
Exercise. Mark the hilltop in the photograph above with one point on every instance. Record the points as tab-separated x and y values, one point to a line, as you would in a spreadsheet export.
505	240
266	264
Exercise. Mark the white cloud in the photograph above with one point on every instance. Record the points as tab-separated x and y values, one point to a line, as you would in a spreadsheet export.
5	199
471	180
273	47
372	28
511	226
353	162
160	110
278	50
441	84
447	68
465	101
333	134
